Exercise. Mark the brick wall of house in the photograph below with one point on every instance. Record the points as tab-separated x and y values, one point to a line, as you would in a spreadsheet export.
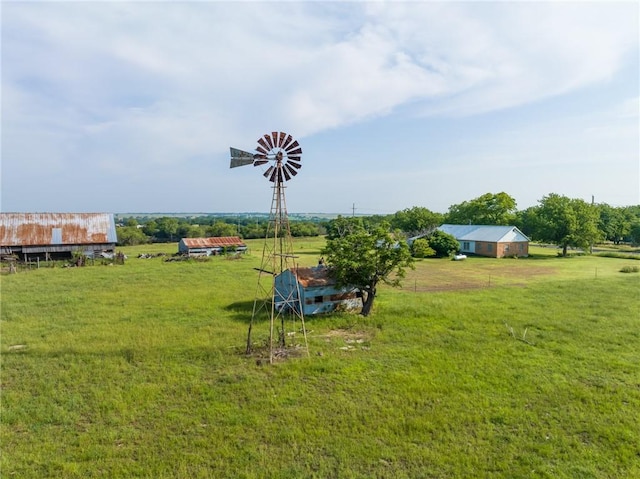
485	248
512	249
502	250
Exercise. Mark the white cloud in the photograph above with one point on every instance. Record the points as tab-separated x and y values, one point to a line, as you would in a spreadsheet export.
133	87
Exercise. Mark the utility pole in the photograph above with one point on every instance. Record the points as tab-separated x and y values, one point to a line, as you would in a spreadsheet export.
353	210
593	202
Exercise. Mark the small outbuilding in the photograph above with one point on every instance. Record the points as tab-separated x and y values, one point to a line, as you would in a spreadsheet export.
211	246
317	291
489	240
55	235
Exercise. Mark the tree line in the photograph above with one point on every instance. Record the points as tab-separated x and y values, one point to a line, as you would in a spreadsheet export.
167	229
566	222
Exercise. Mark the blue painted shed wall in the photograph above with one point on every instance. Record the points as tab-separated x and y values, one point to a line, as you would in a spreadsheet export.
286	289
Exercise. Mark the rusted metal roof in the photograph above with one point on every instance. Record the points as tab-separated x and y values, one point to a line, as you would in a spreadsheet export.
28	229
213	242
315	276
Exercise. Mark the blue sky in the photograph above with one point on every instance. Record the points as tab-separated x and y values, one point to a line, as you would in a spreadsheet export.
132	106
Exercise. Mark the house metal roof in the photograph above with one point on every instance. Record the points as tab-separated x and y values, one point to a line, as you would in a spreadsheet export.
488	233
42	229
213	242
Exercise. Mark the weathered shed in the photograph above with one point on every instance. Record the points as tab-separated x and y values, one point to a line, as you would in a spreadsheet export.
46	235
489	240
318	291
211	246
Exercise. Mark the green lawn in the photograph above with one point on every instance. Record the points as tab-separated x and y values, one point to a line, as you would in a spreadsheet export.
506	368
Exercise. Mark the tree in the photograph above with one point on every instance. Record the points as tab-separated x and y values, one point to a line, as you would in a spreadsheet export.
220	228
527	220
167	227
363	259
634	234
150	228
488	209
566	222
615	223
416	220
131	236
443	243
343	226
420	249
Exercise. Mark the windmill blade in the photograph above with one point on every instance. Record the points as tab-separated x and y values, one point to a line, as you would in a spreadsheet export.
283	135
295	158
260	162
269	142
273	175
293	145
262	150
275	137
290	169
296	152
268	172
287	176
264	145
294	163
287	141
240	157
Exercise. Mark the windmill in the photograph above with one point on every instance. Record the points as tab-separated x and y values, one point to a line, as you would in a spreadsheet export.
282	156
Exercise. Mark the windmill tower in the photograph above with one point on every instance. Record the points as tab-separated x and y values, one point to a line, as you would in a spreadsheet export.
281	154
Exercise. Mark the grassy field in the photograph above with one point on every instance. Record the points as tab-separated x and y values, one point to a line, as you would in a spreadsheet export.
526	368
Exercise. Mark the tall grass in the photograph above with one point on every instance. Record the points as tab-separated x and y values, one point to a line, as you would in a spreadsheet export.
138	371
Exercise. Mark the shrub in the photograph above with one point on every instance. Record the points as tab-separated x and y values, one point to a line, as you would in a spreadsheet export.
444	244
630	269
421	249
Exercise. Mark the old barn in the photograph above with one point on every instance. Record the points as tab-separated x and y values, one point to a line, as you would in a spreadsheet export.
211	246
318	291
489	240
57	235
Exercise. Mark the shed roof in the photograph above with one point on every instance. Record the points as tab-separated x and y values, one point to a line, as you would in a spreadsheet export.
30	229
314	276
489	233
213	242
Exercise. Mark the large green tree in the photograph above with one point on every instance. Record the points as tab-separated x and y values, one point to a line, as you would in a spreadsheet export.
488	209
360	258
131	236
416	220
343	226
615	223
566	222
221	228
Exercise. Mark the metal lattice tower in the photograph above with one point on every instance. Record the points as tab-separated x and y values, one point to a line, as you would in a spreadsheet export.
281	306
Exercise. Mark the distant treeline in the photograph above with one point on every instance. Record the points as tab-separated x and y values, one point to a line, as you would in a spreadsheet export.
139	230
556	218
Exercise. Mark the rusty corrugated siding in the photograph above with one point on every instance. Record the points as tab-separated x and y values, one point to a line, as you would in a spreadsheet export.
28	229
214	242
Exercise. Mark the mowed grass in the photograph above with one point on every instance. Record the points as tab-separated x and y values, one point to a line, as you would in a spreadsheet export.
528	368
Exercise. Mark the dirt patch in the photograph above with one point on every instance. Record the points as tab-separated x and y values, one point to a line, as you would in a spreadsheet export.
348	334
472	276
348	340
